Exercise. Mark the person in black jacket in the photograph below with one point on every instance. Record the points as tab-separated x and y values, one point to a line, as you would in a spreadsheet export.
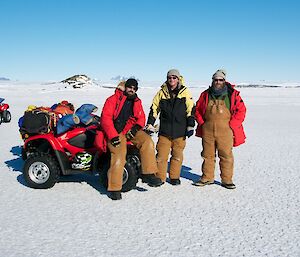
175	104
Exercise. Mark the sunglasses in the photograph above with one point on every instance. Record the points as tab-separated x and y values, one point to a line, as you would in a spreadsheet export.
221	80
132	87
172	77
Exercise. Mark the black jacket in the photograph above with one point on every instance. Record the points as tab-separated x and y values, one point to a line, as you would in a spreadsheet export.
176	111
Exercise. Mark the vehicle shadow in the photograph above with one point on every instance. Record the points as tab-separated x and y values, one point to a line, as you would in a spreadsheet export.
17	163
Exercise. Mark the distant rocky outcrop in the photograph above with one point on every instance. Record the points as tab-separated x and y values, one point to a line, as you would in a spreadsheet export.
4	79
78	81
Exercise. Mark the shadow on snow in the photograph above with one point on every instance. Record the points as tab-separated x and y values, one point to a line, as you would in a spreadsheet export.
187	174
17	164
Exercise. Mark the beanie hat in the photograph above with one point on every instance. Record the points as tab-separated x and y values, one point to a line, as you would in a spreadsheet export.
132	82
173	72
219	74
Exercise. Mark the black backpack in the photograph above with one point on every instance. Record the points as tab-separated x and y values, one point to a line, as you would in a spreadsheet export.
35	122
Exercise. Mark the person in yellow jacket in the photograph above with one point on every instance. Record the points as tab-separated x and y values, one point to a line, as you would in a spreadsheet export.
176	107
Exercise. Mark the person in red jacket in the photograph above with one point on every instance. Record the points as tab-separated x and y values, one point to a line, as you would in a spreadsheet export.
220	112
122	119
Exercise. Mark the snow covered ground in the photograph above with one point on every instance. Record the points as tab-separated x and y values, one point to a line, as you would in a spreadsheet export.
76	218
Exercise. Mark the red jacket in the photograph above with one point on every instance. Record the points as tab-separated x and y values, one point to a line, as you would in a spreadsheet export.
111	110
237	110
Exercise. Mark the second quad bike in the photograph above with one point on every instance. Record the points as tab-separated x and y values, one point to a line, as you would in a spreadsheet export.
5	115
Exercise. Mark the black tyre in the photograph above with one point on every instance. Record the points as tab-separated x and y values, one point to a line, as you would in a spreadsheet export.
130	177
6	116
41	171
0	118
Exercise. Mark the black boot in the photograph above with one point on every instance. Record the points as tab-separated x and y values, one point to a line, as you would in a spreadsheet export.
175	182
228	185
151	180
115	195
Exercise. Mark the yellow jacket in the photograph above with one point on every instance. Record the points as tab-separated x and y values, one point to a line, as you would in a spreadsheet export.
176	109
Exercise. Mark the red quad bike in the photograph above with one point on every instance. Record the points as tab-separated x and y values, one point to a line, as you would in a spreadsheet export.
49	156
5	115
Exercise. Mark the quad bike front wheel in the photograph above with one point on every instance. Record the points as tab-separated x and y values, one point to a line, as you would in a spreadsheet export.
41	171
6	116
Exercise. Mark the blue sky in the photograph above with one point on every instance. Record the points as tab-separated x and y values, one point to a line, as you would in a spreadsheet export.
51	40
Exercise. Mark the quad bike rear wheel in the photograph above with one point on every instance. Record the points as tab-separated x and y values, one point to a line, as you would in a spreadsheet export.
129	181
41	171
6	116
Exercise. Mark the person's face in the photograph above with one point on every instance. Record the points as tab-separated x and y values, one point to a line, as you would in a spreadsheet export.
218	82
173	81
130	91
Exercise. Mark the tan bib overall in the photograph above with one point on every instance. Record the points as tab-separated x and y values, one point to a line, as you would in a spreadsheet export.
146	147
217	135
164	146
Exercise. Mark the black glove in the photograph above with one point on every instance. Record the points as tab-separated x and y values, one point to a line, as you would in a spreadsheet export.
189	131
132	132
149	129
115	141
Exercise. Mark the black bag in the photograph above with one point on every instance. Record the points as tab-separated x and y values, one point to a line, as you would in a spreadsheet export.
35	122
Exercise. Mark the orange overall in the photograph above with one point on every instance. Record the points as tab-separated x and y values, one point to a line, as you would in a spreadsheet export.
217	135
164	146
144	143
